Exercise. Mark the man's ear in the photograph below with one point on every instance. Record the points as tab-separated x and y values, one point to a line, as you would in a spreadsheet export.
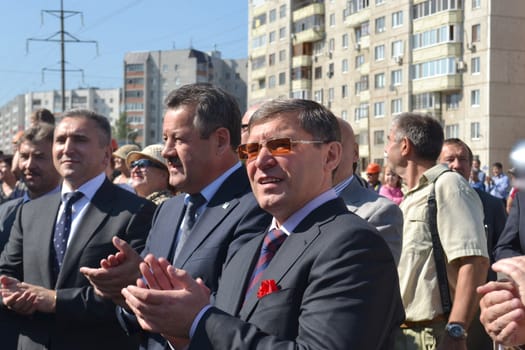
406	146
333	156
222	138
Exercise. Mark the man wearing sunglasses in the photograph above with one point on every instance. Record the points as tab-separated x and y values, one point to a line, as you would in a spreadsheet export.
321	277
197	230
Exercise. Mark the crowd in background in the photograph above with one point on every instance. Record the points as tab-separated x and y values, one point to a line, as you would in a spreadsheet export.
239	204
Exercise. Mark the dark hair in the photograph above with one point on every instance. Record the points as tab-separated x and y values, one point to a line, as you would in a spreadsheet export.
498	165
101	122
424	132
40	132
6	158
460	143
43	115
313	118
214	108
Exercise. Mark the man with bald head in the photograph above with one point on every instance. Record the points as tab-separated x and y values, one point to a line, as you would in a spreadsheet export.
380	212
245	120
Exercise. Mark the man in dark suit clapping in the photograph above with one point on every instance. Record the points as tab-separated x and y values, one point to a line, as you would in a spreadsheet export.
320	277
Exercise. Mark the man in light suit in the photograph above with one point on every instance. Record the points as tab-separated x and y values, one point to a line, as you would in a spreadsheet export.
201	131
331	284
366	203
60	307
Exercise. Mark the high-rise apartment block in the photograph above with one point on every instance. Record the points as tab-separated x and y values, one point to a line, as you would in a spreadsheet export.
15	114
462	61
151	76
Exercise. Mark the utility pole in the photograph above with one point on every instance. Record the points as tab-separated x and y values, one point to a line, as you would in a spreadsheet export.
65	37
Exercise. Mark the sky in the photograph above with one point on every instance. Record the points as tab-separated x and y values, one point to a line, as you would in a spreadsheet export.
118	26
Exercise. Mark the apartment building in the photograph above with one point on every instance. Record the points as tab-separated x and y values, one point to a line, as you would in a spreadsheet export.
150	76
462	61
15	114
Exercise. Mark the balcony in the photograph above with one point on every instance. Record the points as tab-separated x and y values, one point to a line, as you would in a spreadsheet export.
431	52
307	11
428	22
309	35
440	83
301	84
364	69
356	18
302	61
259	73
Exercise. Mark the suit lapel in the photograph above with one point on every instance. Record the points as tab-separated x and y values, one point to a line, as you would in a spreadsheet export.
46	231
217	209
97	211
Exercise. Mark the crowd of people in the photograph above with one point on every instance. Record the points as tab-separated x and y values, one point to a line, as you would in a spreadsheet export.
255	232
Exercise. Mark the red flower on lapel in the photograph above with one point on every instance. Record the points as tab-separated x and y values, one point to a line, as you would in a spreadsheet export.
267	287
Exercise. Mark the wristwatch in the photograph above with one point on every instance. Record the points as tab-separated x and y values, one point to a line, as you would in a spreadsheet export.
456	331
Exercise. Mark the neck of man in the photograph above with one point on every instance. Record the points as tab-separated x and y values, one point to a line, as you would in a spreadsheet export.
414	171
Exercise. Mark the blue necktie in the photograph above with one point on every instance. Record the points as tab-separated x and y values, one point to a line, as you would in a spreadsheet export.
195	201
63	228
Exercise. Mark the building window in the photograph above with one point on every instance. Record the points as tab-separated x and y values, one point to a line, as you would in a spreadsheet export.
476	4
453	101
361	112
397	19
344	65
282	55
331	44
271	37
258	41
397	106
443	34
345	41
452	131
318	72
397	48
379	52
426	100
475	133
475	98
362	84
358	5
330	70
282	33
475	65
379	109
273	15
379	2
271	59
318	96
380	24
443	66
344	114
476	33
430	7
397	77
271	81
344	91
282	11
379	137
332	19
379	81
330	94
282	78
359	61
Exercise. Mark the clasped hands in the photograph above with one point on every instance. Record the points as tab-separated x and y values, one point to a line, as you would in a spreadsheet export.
25	298
503	303
164	299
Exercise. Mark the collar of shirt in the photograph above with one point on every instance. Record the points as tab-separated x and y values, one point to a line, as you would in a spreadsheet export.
343	184
429	176
295	219
88	189
209	191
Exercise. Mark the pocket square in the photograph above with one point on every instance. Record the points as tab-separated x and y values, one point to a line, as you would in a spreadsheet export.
267	287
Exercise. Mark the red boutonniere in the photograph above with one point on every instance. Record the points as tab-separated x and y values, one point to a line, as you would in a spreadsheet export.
267	287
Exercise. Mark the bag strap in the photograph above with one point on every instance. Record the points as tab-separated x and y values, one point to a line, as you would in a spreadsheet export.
439	255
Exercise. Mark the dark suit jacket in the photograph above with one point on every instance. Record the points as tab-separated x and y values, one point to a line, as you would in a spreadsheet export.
7	217
379	211
512	239
231	218
338	290
82	320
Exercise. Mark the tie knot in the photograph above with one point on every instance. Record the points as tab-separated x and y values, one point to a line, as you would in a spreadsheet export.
196	200
273	240
71	197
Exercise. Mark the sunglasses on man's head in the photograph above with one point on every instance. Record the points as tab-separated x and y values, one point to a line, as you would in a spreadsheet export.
276	147
145	163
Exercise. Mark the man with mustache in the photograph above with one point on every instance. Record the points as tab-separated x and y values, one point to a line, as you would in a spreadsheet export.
201	130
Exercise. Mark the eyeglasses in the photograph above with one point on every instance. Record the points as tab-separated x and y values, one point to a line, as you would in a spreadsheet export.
277	147
145	163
